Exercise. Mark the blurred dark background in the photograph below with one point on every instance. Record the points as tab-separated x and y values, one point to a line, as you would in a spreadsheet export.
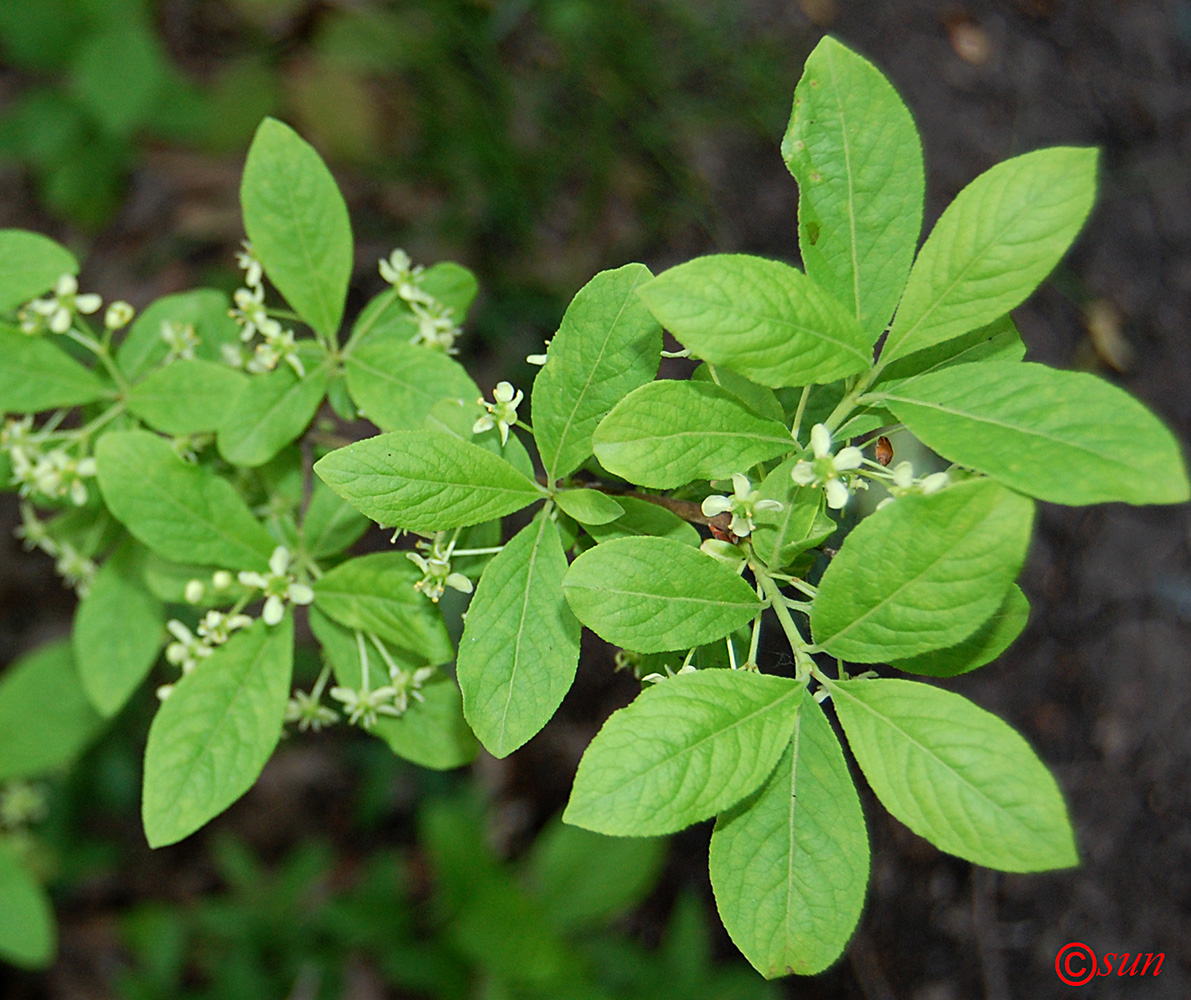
539	142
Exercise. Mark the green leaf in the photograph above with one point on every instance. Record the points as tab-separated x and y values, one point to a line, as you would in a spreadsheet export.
453	285
685	749
789	865
607	345
205	309
1066	437
853	148
29	265
760	318
375	593
216	731
520	644
28	934
956	775
331	524
270	411
981	647
185	397
780	535
589	506
641	517
298	224
999	341
1001	236
425	480
396	384
38	375
45	718
432	732
119	102
667	433
119	628
654	594
384	316
584	878
760	399
181	511
922	574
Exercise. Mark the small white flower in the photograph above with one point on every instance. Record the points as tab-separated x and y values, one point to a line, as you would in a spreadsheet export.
308	712
118	315
216	627
187	649
400	272
194	591
247	262
221	579
502	413
250	312
57	312
181	340
279	586
364	707
904	483
436	328
436	570
35	533
824	470
279	345
743	504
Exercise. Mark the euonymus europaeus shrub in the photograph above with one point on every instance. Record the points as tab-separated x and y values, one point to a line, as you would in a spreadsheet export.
180	485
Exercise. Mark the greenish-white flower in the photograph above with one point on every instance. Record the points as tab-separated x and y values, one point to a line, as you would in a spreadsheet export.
436	327
250	312
825	468
502	413
743	505
364	708
437	574
118	315
58	310
187	650
400	272
902	483
539	359
181	340
247	261
279	586
309	712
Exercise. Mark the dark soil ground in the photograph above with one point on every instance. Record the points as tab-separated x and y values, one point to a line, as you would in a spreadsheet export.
1099	683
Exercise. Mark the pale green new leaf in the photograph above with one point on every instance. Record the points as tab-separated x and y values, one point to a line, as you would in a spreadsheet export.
28	934
181	511
520	644
186	397
38	375
375	593
44	715
297	222
584	878
332	524
215	732
589	506
981	647
685	749
956	775
641	517
1066	437
789	865
119	628
396	384
270	411
432	732
29	265
667	433
1001	236
999	341
654	594
425	480
607	345
922	573
853	148
204	309
761	318
779	535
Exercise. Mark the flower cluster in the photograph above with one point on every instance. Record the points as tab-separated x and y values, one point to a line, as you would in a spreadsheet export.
436	324
58	310
743	505
279	586
825	469
365	705
75	568
435	565
188	650
502	413
53	473
277	343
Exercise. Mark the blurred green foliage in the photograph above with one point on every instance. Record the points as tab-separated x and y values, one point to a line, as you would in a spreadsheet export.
510	127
